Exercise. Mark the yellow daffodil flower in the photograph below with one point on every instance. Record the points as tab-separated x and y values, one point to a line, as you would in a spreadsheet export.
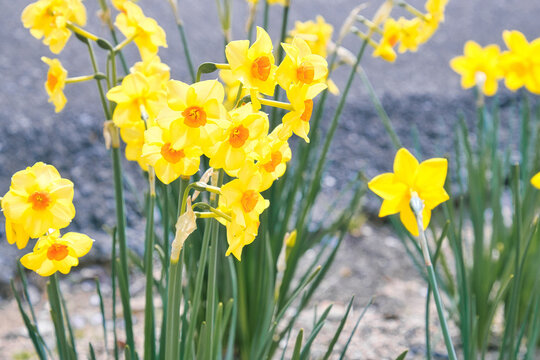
238	141
135	91
154	70
478	66
297	120
300	65
15	234
169	161
195	113
435	9
133	135
47	19
53	253
56	80
391	36
253	65
425	179
409	38
145	31
274	155
119	4
521	63
535	181
242	199
240	236
38	199
317	34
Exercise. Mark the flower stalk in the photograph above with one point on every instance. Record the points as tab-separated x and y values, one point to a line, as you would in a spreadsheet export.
417	205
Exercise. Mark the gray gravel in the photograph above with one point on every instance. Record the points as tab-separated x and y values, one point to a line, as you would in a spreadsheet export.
419	92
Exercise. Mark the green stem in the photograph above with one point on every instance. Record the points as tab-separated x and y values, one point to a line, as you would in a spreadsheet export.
149	328
53	291
433	280
122	244
186	50
78	79
197	292
266	13
81	31
174	291
211	302
98	81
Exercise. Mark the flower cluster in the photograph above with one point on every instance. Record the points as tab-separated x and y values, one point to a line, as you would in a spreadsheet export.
55	20
168	124
519	65
409	34
39	203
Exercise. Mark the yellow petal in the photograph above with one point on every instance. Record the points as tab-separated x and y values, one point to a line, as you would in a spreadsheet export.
408	219
387	186
535	181
80	243
432	173
405	166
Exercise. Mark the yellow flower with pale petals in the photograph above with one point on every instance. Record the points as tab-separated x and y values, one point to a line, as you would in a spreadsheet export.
300	65
148	35
410	36
274	154
390	38
253	65
425	179
240	236
53	253
521	63
535	181
242	199
135	91
169	162
56	80
15	234
195	114
47	19
316	33
133	135
435	9
297	120
478	66
38	199
238	141
154	70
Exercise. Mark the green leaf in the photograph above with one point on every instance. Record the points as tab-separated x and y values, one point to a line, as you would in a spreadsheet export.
402	355
298	345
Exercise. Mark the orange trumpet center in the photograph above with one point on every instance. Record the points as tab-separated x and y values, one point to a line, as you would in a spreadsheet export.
52	80
306	115
172	156
249	200
238	136
194	116
57	252
260	68
40	200
305	72
276	160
